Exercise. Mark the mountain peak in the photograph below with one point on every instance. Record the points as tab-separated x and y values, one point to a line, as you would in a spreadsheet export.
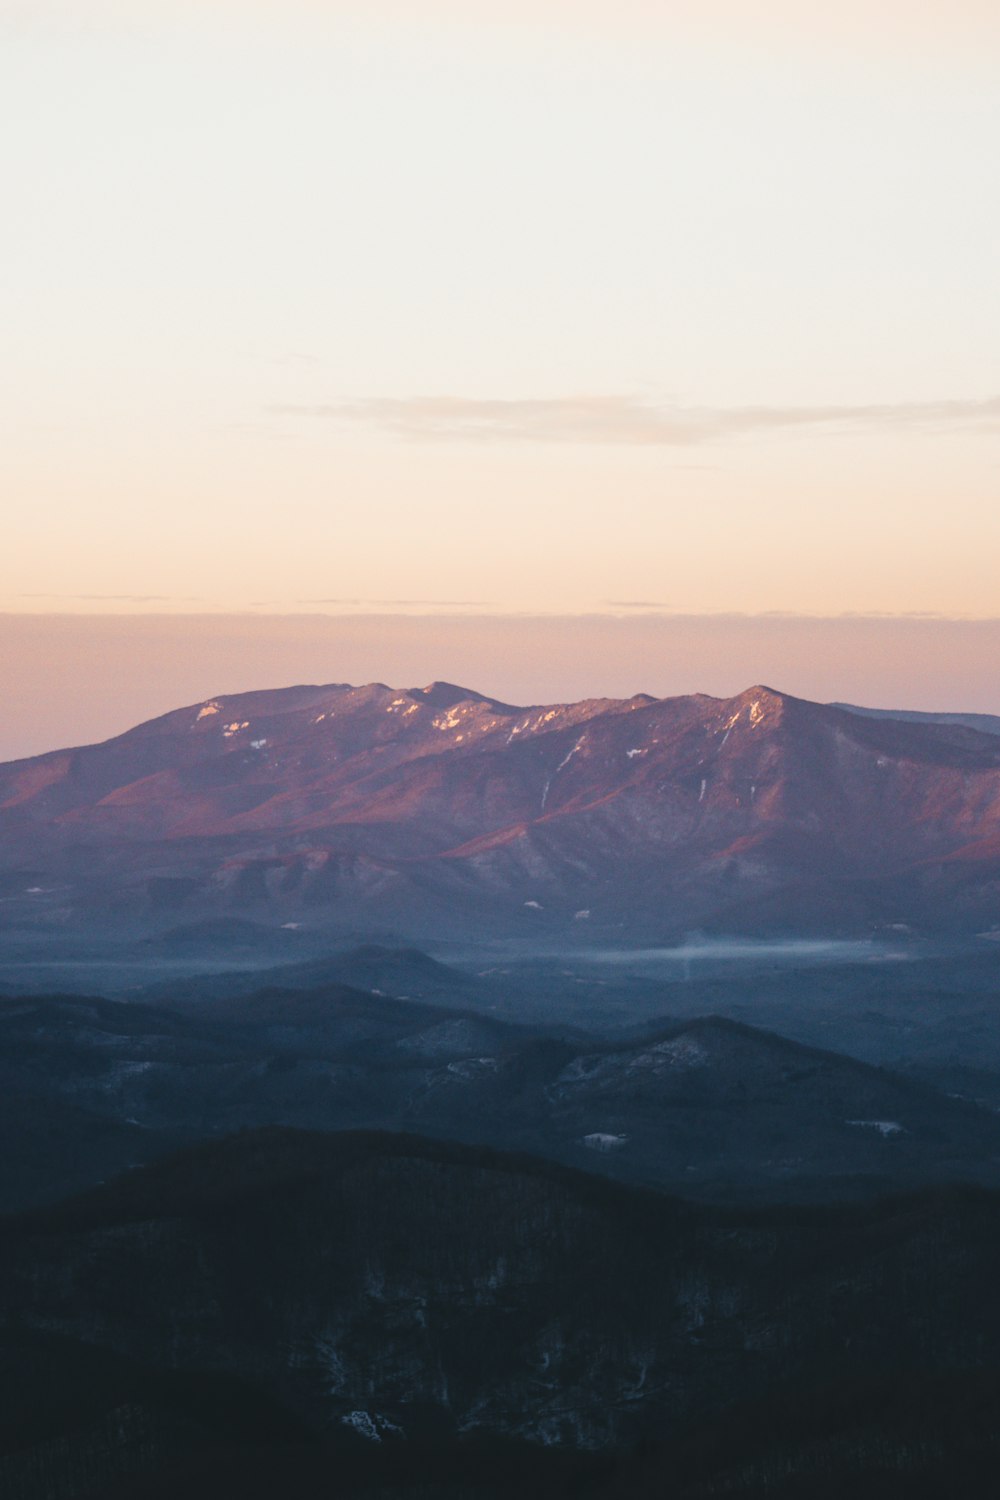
762	693
445	694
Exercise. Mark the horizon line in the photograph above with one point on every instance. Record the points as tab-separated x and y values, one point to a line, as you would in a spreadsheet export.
620	612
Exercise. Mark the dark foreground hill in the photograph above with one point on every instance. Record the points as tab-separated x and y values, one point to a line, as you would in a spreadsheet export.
440	811
381	1314
708	1108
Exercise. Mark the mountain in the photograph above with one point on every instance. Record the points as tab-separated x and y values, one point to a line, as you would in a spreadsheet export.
406	973
438	811
379	1314
708	1108
987	723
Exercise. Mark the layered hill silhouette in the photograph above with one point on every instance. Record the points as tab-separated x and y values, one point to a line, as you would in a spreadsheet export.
440	811
360	1314
708	1108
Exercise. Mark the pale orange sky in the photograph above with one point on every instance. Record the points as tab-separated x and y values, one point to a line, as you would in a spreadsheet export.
503	309
67	680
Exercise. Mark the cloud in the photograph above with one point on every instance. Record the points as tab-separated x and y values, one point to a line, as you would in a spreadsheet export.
405	603
633	604
118	598
631	421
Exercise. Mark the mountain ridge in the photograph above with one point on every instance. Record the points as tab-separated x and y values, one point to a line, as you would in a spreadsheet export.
439	808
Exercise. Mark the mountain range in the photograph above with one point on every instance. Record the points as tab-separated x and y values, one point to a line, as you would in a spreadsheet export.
441	812
707	1107
304	1245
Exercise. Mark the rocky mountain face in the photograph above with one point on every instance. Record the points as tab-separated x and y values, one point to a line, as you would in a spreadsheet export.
440	811
283	1305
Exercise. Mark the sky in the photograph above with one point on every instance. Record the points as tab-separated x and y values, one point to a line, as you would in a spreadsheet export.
440	310
73	679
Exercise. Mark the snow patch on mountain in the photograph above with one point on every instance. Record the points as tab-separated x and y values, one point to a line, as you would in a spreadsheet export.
569	756
599	1141
684	1051
885	1128
371	1425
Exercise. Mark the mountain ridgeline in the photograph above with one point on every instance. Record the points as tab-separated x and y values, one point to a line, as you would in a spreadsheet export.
440	812
709	1108
292	1206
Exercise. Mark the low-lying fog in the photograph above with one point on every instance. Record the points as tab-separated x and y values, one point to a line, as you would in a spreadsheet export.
697	957
798	952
